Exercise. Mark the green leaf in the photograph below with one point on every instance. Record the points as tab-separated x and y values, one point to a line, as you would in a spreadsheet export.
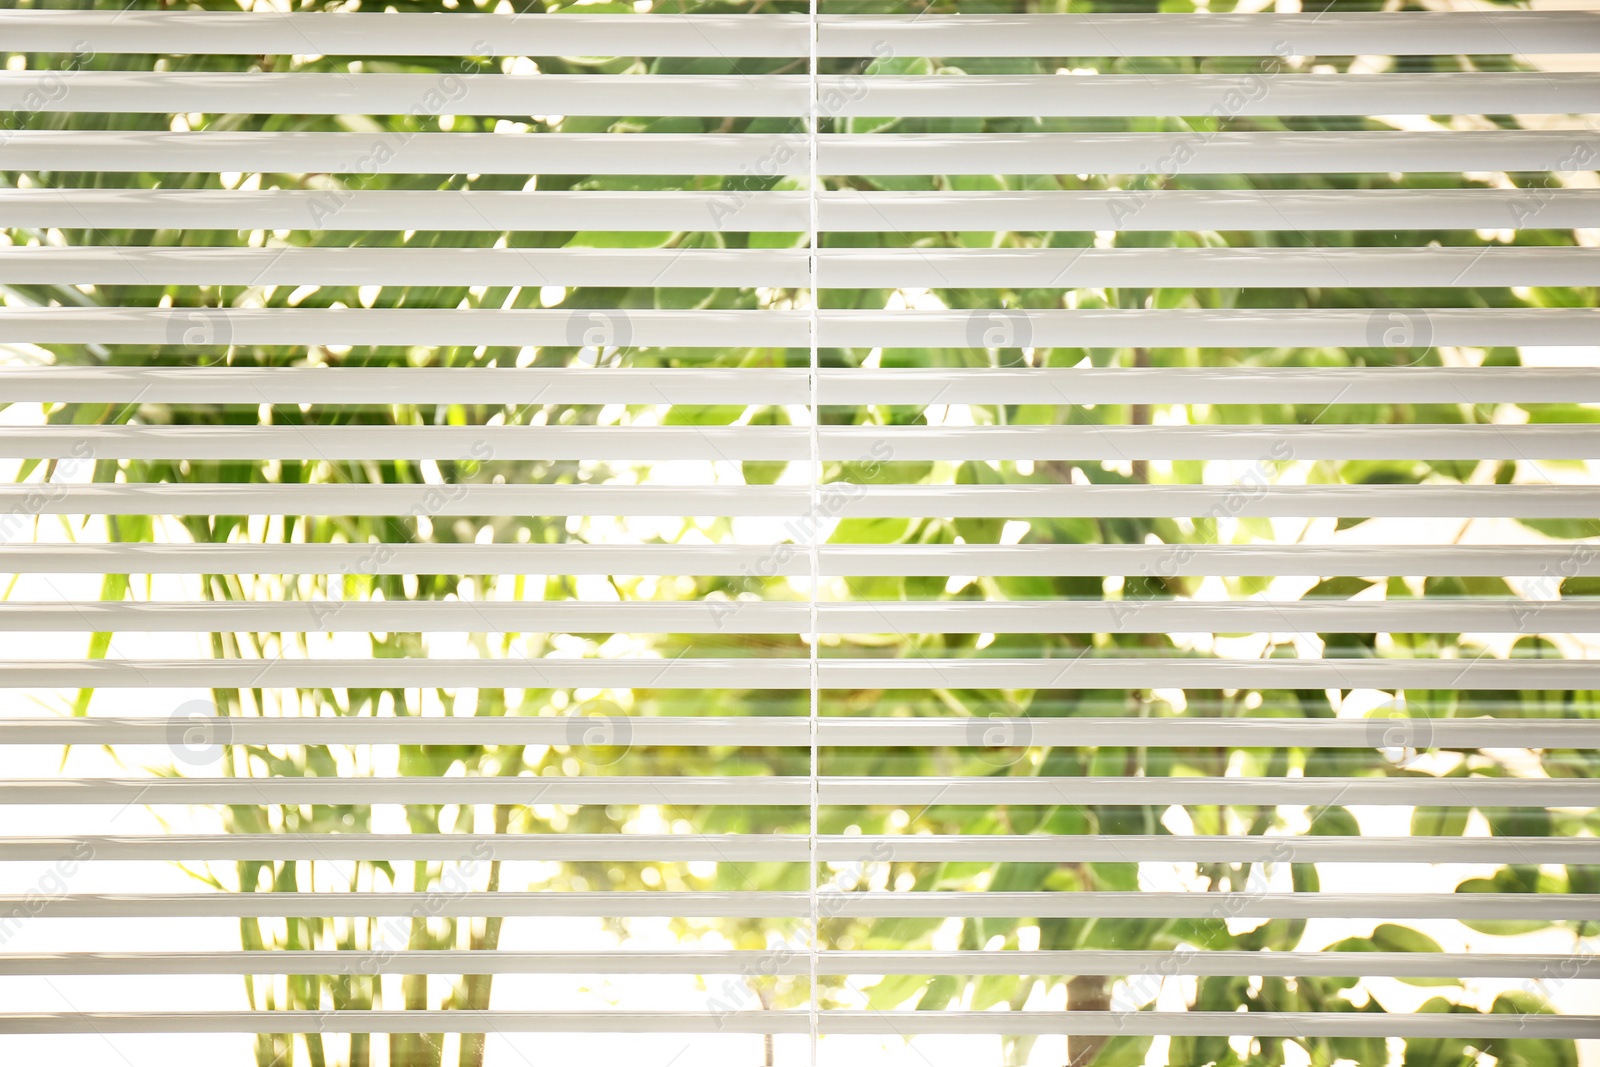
893	991
765	472
870	531
702	415
1502	882
1124	1051
1439	821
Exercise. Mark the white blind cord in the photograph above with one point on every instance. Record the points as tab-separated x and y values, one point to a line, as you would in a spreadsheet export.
813	554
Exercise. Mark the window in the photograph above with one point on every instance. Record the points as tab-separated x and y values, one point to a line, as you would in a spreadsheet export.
754	534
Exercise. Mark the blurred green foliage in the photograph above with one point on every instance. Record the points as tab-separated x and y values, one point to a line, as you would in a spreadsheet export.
1222	994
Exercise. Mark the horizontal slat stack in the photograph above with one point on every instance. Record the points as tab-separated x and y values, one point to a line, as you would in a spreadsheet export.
876	539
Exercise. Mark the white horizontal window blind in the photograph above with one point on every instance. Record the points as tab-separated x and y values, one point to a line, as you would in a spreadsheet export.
1023	533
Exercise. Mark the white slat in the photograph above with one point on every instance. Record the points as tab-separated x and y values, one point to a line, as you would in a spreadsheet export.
408	34
896	732
1579	558
500	386
785	95
1328	33
839	210
846	500
1100	34
837	268
705	673
1095	328
1278	443
909	961
1437	615
794	1021
1323	152
791	848
755	904
1484	792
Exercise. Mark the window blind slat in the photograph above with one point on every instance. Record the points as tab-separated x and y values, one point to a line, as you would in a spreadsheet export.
406	34
780	95
888	1023
686	385
1278	268
837	269
850	501
108	265
1204	209
1115	34
705	673
1208	385
1476	732
1507	615
134	92
907	961
791	848
1092	328
1335	152
1119	95
459	385
373	209
1463	792
712	443
839	211
1327	33
757	904
1322	152
216	151
1580	559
